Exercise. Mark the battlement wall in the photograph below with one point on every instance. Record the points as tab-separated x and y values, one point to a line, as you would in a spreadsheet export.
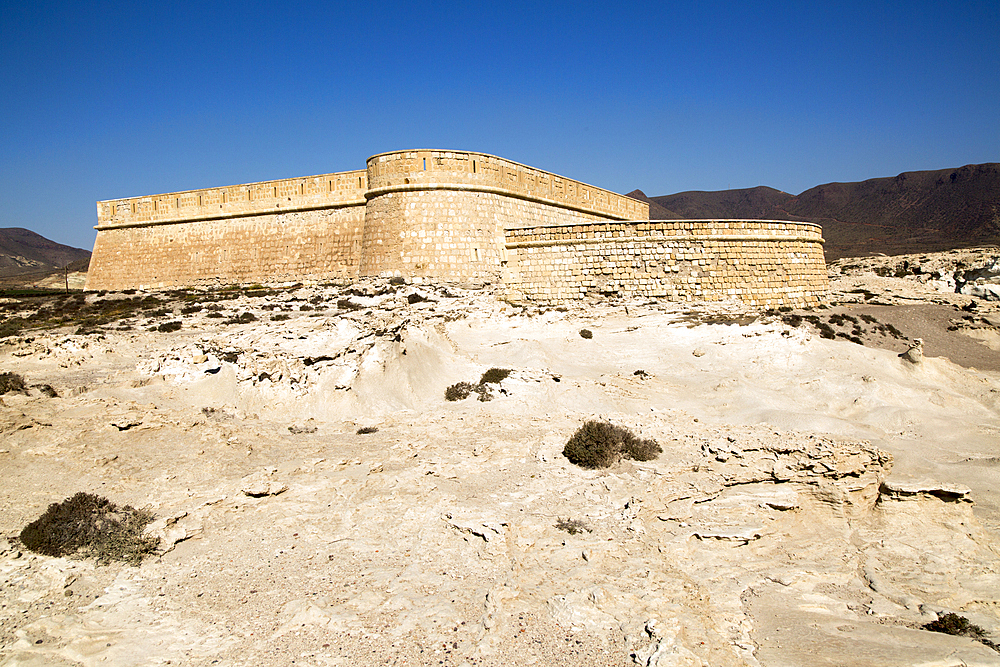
409	171
282	196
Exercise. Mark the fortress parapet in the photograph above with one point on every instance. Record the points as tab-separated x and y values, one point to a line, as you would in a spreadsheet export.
307	193
450	216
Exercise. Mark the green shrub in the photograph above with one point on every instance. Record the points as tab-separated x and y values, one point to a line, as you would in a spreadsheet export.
494	376
280	317
600	445
11	382
459	391
87	525
167	327
586	333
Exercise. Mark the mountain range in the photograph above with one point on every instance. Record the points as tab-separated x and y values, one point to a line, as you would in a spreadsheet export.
916	211
24	252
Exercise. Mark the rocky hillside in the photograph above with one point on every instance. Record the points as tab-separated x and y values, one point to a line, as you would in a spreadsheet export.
23	251
917	211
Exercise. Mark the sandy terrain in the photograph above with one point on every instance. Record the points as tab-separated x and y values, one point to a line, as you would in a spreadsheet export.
817	501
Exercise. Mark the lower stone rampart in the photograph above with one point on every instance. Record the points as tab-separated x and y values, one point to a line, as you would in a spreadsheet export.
759	262
303	245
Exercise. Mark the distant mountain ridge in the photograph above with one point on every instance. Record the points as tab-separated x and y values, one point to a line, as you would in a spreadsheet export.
23	251
916	211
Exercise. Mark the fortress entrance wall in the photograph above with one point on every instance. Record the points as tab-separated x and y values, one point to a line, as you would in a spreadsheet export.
762	263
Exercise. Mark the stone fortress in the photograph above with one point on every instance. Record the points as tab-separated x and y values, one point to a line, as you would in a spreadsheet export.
451	216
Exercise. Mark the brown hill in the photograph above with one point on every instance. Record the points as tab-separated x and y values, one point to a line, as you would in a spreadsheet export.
918	211
25	252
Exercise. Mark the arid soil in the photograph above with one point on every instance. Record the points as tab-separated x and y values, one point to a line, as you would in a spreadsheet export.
817	500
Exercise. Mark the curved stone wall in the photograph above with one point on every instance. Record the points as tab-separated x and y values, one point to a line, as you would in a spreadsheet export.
442	214
759	262
402	171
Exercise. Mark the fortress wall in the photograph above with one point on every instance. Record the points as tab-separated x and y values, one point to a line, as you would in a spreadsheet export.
290	194
762	263
464	171
321	244
442	214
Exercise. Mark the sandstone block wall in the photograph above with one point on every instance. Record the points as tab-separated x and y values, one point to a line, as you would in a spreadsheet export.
301	245
442	214
762	263
465	171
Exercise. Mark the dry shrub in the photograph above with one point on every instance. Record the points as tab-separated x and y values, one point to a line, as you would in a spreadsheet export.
953	624
10	382
573	526
87	525
494	376
601	445
459	391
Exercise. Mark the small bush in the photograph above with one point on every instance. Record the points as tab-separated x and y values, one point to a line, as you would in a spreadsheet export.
600	445
280	317
494	376
46	390
459	391
88	525
792	320
365	430
347	304
953	624
11	382
167	327
573	526
397	281
586	333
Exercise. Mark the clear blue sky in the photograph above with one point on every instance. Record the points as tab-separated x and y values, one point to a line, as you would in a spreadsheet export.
100	100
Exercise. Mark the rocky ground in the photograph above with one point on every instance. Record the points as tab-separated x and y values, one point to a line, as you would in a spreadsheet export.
818	500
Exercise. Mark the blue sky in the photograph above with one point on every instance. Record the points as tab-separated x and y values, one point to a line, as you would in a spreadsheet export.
100	100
